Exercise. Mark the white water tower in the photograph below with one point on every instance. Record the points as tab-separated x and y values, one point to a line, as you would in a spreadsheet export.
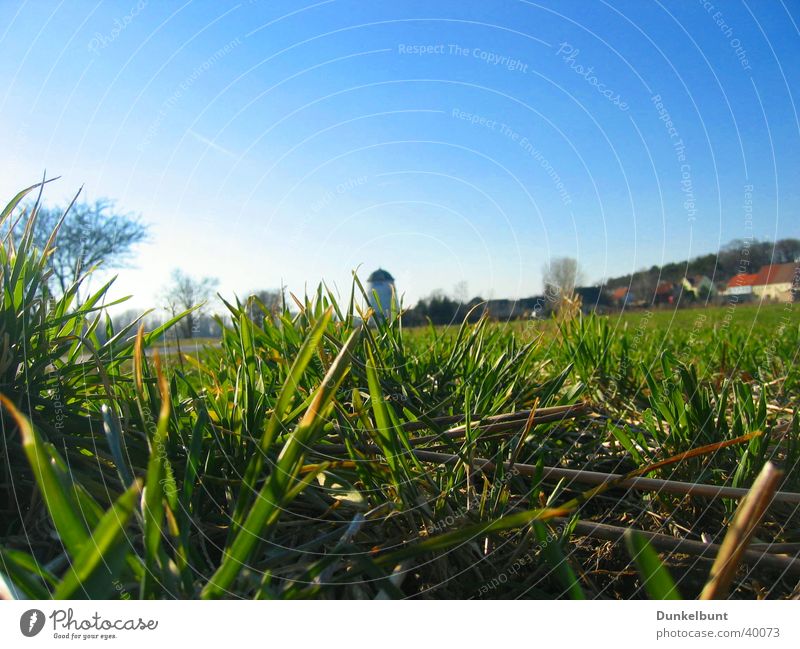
381	283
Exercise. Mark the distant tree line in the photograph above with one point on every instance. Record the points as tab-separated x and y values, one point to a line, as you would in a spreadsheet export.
562	277
89	234
736	257
440	309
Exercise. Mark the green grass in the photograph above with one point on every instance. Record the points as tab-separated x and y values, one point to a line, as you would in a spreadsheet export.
279	463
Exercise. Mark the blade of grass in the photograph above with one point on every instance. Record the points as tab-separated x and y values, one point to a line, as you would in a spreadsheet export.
60	502
115	443
655	577
93	571
272	497
745	522
285	398
551	550
153	498
448	540
26	575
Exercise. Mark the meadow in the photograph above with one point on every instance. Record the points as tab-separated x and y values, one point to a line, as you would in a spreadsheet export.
316	456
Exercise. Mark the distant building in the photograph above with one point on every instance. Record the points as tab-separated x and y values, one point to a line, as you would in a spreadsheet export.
622	296
772	282
741	284
524	308
700	286
775	282
503	309
381	292
665	293
593	298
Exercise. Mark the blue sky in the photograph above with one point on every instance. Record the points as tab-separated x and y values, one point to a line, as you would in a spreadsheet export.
290	142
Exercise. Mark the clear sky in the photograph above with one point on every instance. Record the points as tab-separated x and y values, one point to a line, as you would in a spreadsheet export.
293	141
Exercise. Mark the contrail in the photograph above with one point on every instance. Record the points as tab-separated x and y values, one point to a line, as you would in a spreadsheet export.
211	144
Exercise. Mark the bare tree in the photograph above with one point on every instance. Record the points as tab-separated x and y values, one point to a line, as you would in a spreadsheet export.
122	320
184	293
461	292
89	235
560	277
271	301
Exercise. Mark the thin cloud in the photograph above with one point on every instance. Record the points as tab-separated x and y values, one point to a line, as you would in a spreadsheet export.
211	144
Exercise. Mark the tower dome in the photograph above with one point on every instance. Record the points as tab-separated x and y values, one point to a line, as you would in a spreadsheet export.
381	291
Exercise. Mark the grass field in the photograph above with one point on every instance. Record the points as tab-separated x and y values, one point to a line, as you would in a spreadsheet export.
315	457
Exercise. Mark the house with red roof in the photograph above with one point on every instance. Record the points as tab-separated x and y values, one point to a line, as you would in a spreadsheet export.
741	284
779	282
622	296
775	282
665	293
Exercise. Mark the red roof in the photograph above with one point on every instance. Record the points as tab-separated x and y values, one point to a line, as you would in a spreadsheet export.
775	274
743	280
620	293
664	288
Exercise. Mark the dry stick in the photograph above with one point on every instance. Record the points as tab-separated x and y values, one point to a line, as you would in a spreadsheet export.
581	476
747	518
681	546
525	517
597	478
777	548
510	422
787	411
587	477
511	425
577	408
